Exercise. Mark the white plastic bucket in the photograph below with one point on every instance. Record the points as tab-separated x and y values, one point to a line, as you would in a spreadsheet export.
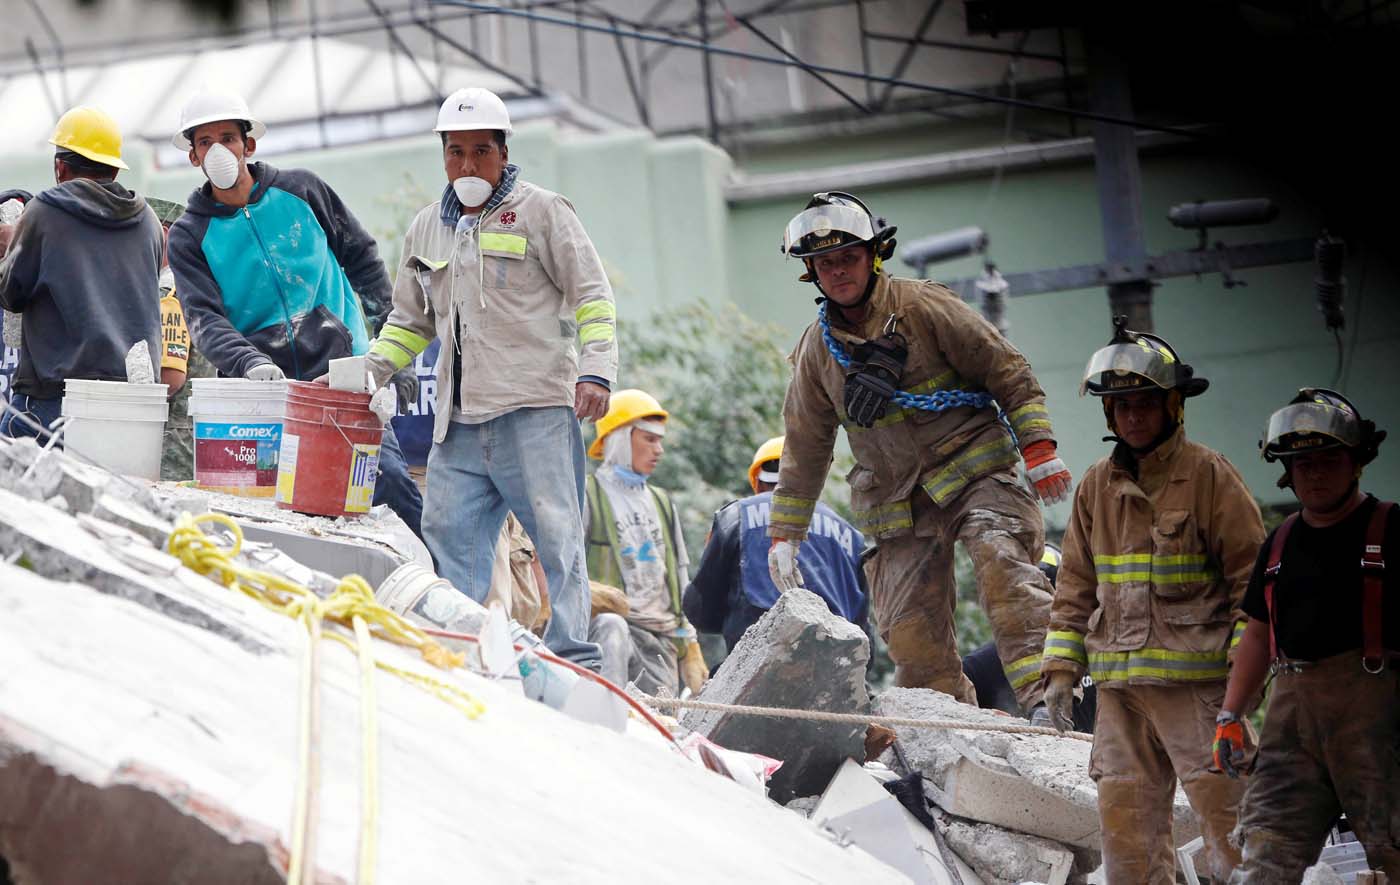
237	434
419	595
120	426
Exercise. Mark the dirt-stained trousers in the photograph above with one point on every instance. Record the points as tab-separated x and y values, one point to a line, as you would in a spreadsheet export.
1331	744
913	595
1146	738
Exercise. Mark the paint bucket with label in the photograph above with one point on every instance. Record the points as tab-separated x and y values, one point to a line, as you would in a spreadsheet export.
237	427
121	426
329	457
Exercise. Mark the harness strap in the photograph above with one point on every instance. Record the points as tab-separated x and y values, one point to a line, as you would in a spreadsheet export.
1271	577
1372	578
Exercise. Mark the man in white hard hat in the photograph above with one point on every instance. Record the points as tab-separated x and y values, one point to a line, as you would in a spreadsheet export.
80	272
275	274
504	274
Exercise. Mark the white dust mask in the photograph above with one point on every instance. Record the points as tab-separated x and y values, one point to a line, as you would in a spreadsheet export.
472	191
221	167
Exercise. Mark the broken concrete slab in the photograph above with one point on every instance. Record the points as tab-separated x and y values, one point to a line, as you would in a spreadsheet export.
123	729
798	655
113	560
1027	783
1002	857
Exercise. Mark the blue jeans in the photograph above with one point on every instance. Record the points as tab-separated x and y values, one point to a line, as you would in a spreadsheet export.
395	487
528	462
43	411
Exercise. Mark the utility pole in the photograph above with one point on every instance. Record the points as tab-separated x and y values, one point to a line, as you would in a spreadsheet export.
1118	174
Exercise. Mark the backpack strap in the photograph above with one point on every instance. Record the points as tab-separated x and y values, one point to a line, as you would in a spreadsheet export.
1271	577
1372	587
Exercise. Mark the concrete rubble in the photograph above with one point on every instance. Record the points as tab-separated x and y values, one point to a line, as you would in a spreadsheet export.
144	705
797	655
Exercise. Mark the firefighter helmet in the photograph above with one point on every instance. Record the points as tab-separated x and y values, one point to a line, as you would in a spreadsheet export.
1318	419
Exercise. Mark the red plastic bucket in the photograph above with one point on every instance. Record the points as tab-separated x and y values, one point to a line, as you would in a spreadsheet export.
329	455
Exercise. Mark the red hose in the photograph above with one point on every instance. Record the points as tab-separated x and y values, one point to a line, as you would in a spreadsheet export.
582	671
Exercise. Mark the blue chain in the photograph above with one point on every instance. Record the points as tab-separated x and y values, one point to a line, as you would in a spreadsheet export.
937	401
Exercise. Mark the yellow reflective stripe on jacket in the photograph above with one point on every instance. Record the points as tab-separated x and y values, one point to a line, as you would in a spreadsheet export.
790	512
595	310
1158	663
398	345
1068	645
595	332
1023	672
944	485
1182	568
1238	634
596	321
1029	418
948	380
510	244
884	518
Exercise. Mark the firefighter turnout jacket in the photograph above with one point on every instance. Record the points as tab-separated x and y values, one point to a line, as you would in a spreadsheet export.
951	347
1154	569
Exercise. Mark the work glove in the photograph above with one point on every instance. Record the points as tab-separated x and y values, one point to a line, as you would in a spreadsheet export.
265	372
1047	472
782	564
405	383
1229	744
1059	700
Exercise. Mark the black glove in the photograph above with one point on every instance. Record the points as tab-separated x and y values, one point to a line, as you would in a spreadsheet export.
405	383
873	378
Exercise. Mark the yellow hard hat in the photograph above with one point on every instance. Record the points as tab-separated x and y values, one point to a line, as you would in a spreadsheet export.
769	451
91	133
625	407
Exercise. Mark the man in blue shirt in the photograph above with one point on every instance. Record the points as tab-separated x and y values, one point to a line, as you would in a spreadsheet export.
732	588
272	268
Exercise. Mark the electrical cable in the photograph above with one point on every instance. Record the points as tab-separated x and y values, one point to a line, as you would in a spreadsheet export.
570	665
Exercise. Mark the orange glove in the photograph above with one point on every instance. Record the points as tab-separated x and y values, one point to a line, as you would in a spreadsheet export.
1229	744
1047	472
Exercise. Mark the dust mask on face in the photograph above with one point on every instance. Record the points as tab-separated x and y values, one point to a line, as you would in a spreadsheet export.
472	191
221	167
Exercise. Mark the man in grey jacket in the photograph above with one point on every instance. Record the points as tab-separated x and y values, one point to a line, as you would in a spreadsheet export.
81	270
502	272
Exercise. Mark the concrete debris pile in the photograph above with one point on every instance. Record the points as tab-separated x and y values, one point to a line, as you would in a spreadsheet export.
145	705
797	655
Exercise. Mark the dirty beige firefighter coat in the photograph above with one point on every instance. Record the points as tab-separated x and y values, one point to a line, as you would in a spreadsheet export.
1154	570
525	294
950	346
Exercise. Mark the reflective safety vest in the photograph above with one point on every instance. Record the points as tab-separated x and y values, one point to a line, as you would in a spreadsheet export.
604	553
829	558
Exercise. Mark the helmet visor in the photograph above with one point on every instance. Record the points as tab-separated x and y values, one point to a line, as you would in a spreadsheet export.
826	222
1307	419
1117	364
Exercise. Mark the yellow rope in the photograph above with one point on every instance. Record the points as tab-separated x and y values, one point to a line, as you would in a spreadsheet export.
353	607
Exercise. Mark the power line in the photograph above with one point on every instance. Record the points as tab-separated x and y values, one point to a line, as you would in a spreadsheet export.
891	82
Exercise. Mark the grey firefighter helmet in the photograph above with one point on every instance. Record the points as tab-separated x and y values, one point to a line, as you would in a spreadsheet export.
1318	419
1134	361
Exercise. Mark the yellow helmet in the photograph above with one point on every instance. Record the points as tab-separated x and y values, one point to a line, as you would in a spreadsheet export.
769	451
91	133
624	407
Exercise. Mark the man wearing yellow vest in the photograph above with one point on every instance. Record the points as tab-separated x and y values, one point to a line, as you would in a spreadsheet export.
635	544
1156	558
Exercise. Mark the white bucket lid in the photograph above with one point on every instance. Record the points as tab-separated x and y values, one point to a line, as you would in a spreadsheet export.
82	386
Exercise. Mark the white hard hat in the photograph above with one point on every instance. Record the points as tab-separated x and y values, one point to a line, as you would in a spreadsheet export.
473	108
211	107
